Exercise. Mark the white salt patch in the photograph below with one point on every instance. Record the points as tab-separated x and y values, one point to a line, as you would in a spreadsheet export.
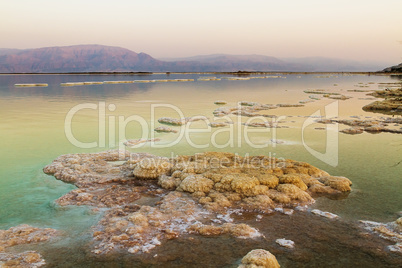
301	208
328	215
134	249
225	217
285	243
253	234
286	211
395	248
155	241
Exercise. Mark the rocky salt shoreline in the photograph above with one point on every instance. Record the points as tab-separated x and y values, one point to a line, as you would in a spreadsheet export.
185	194
23	235
147	200
391	105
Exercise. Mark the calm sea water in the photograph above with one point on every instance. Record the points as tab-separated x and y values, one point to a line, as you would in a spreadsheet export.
33	133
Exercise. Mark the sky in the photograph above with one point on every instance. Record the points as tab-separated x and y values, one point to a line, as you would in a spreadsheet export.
353	29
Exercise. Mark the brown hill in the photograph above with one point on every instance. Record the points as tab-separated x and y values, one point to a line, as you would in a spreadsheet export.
81	58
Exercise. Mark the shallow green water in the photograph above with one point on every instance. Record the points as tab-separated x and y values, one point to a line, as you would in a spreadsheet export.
32	127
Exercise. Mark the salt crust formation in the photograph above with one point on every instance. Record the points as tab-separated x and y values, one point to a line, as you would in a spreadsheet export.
392	103
19	235
150	199
285	243
391	231
165	129
358	126
250	109
180	122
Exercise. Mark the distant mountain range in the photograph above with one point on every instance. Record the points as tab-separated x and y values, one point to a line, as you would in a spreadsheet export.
98	58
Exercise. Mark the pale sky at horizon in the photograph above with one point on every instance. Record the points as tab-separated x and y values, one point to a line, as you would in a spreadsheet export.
354	29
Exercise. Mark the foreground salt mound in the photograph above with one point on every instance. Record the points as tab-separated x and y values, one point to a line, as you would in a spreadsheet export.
391	231
20	235
150	199
222	180
216	180
259	258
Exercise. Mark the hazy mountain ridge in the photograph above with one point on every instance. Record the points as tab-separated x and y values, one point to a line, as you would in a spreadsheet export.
305	64
98	58
81	58
333	64
395	68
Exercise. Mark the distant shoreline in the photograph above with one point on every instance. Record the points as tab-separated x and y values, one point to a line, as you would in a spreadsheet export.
239	73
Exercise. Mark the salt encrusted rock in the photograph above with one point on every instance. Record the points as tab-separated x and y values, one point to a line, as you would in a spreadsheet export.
141	229
24	259
324	214
286	211
372	126
306	101
290	105
270	180
391	231
325	121
20	235
247	181
353	130
165	129
338	183
285	243
152	168
294	192
203	186
248	103
392	103
250	109
218	124
293	179
340	97
182	121
237	230
31	85
25	234
196	183
320	91
259	258
172	121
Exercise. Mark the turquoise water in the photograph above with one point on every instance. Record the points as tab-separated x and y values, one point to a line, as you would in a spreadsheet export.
32	128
